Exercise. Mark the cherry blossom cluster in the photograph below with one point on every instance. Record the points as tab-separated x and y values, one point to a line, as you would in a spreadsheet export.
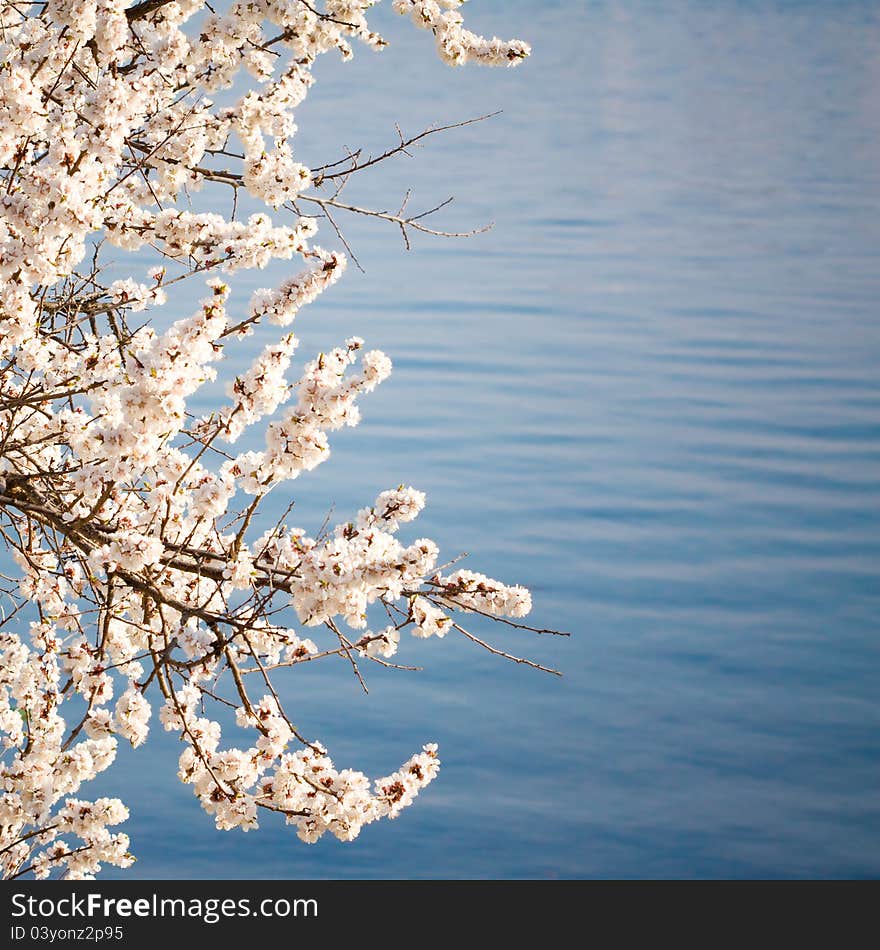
455	44
148	572
313	795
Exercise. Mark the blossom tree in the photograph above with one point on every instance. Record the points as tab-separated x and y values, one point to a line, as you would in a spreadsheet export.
149	572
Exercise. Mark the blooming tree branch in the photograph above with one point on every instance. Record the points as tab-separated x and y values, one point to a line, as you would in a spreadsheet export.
146	573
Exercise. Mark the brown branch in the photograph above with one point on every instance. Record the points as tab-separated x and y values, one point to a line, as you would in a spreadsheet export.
144	9
402	146
508	656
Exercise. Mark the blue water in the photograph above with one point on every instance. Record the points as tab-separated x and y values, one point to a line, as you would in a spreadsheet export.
651	394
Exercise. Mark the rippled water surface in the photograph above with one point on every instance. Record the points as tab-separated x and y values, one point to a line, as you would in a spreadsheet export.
651	394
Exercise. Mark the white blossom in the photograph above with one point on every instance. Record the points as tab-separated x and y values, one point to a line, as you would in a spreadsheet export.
144	568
